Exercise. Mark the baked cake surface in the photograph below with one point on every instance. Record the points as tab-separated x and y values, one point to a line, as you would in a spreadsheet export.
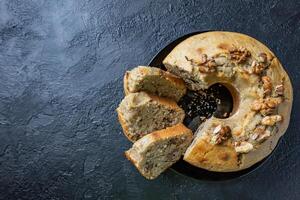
262	94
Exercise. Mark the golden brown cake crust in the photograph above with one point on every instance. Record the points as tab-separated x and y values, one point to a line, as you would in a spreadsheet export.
124	126
125	83
216	157
170	131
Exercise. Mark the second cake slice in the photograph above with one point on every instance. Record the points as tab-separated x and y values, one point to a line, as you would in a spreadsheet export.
142	113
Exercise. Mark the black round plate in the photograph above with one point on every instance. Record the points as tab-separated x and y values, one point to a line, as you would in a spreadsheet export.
181	166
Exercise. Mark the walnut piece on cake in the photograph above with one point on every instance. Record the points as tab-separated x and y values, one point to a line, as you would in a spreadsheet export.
243	147
271	120
257	68
240	54
267	85
266	105
220	134
279	90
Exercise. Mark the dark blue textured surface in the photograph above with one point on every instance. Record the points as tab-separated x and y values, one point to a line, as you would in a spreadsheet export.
61	68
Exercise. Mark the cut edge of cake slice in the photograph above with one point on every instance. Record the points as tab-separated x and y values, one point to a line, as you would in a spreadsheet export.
157	151
142	113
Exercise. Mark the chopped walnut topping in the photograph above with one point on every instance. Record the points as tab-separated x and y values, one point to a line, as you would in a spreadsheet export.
279	90
220	133
239	54
257	68
267	111
254	136
243	147
217	129
211	64
267	85
264	136
271	120
205	65
258	132
262	57
257	105
267	105
272	102
203	58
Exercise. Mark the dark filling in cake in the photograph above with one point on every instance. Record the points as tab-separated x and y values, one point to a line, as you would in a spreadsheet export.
201	105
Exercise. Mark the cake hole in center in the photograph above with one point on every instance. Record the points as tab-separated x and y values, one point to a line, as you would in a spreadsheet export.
219	100
227	99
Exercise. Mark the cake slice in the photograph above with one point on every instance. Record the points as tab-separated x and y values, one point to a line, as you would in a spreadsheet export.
157	151
142	113
155	81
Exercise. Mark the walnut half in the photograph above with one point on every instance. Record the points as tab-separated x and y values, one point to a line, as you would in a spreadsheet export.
266	106
262	57
257	105
260	134
205	65
271	120
257	68
239	54
220	134
279	90
243	147
267	85
259	130
264	136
